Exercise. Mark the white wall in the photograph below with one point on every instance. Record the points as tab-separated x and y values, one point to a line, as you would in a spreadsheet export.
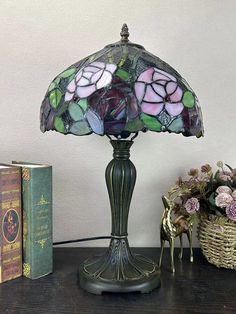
39	39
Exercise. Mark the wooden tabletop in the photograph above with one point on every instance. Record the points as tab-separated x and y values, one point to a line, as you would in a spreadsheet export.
195	288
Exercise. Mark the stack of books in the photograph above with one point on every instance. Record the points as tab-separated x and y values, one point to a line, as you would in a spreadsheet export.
25	220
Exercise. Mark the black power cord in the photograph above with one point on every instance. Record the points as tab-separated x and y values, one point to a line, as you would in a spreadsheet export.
81	240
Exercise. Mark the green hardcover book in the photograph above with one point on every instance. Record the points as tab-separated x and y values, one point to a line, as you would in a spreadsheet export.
37	219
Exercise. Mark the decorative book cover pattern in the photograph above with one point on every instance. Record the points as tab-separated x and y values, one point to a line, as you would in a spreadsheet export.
37	221
10	221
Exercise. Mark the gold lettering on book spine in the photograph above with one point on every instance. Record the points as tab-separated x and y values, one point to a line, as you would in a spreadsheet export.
11	204
41	242
42	201
11	247
25	174
26	269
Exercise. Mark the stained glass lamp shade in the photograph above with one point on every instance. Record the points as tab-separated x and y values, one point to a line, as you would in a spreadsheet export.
119	91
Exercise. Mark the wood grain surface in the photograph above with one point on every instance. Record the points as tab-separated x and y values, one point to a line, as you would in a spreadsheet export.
195	288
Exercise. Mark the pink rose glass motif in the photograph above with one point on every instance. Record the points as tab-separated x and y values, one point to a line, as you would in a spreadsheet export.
93	77
156	89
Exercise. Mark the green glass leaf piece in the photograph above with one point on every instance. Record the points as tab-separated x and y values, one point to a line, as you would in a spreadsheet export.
57	80
75	111
134	125
176	126
188	99
52	86
62	108
55	97
80	128
83	104
67	73
59	125
122	74
151	123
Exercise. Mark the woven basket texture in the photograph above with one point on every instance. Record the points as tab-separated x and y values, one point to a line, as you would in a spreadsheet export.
217	237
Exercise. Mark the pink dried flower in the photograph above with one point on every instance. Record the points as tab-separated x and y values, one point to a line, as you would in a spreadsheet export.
225	175
206	168
193	172
192	205
231	211
179	181
234	195
224	189
223	199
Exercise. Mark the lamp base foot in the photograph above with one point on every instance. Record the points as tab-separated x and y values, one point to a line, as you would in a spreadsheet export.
119	271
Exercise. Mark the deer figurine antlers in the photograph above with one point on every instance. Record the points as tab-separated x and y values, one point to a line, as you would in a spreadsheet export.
171	229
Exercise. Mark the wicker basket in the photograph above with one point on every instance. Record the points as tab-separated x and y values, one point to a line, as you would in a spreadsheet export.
217	236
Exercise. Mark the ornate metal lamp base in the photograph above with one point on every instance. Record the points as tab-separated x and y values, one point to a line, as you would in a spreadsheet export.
119	271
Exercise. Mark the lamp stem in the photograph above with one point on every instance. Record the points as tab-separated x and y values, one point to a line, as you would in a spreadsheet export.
120	179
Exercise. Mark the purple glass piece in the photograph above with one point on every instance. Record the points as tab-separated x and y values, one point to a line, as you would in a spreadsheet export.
85	91
98	103
114	127
95	77
50	120
159	89
95	123
78	75
87	75
152	109
151	96
104	80
174	109
146	76
119	112
139	90
111	67
90	69
132	107
83	81
171	87
177	95
71	87
68	96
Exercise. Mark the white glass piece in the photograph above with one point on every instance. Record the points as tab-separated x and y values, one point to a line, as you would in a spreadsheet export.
104	80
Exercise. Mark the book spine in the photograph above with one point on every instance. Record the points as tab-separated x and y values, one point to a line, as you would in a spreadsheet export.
26	195
10	219
37	204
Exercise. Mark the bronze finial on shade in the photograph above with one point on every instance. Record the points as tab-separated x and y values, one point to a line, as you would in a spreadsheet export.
124	33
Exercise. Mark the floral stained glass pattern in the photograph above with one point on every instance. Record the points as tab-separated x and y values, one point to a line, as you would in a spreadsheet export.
120	90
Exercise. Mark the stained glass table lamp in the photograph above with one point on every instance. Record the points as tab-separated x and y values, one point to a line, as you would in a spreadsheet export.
118	92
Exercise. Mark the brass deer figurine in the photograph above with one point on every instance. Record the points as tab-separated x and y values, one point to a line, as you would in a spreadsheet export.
169	230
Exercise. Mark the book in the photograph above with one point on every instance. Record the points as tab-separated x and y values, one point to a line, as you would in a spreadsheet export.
10	223
37	219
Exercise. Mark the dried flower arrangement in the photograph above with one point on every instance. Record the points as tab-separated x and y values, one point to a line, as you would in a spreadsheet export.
211	197
205	191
